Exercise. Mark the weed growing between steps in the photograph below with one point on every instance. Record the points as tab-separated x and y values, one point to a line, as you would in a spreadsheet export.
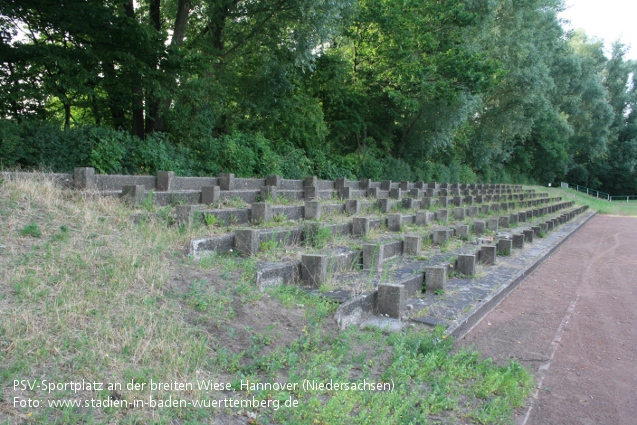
95	296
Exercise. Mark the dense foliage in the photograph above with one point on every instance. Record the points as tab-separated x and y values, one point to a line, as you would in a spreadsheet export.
457	90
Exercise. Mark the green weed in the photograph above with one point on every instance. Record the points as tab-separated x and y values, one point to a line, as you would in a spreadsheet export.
147	203
63	235
32	230
317	236
211	219
279	218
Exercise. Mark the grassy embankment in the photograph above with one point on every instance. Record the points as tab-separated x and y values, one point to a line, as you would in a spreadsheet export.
602	206
86	294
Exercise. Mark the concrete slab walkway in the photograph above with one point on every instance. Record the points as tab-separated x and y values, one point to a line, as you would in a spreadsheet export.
573	322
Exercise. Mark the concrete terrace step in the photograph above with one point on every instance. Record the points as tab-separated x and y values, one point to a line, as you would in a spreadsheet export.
177	189
409	275
382	250
460	298
357	226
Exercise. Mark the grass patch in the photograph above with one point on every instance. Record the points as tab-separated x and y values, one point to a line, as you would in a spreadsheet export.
602	206
317	236
31	229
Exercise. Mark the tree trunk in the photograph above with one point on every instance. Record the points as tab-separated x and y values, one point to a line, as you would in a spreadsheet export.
156	107
181	21
67	114
115	105
138	95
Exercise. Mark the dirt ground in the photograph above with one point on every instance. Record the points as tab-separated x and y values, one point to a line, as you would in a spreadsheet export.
573	322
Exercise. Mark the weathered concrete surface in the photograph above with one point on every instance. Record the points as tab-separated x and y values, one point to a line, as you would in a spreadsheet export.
469	300
573	323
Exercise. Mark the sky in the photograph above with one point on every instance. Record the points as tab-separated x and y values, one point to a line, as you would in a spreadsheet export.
605	19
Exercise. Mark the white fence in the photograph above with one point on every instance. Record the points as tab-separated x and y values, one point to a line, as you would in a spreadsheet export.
598	194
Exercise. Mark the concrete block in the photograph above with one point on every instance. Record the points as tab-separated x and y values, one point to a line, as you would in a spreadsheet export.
522	216
426	202
395	193
485	208
314	269
385	185
549	225
495	207
394	222
518	241
423	218
310	181
440	236
372	192
468	200
345	193
478	227
276	274
226	181
260	213
246	241
487	254
409	203
536	231
311	192
504	206
443	201
435	278
472	211
457	200
384	205
273	180
373	256
365	184
503	221
340	183
513	219
442	215
268	193
165	180
404	186
412	245
467	264
458	213
462	231
210	194
186	213
391	299
492	224
528	235
352	206
312	210
415	193
360	226
133	194
505	246
84	178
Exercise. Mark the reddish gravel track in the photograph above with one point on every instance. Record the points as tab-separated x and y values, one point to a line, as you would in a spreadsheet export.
573	322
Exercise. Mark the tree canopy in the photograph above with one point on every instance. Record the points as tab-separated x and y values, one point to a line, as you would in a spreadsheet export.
489	90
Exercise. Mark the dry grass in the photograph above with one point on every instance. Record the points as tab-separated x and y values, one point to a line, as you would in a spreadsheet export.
86	296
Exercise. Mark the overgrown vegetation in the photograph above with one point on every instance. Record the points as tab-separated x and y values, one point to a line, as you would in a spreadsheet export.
449	90
100	298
